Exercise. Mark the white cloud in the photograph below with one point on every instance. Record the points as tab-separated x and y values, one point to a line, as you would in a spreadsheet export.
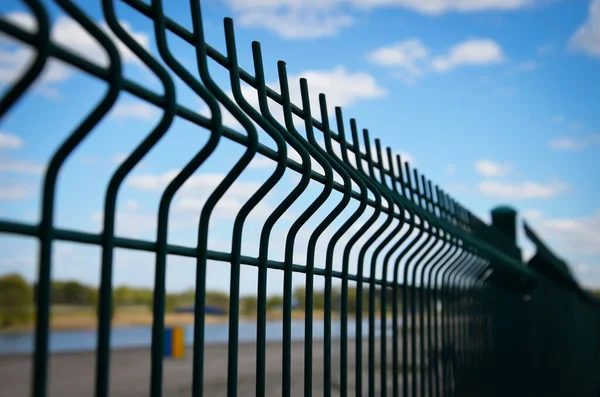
437	7
14	191
404	156
587	36
68	33
9	165
119	158
308	19
573	143
130	224
422	6
243	5
259	162
491	168
588	274
229	207
23	20
403	54
13	62
571	235
191	198
342	88
451	169
532	214
297	24
132	205
10	141
521	190
474	51
411	59
134	110
206	182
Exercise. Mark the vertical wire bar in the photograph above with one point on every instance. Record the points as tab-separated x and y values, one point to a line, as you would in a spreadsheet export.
405	299
443	250
310	258
374	257
412	224
425	245
42	47
437	325
346	255
459	292
420	267
240	219
469	338
459	279
452	318
46	228
277	133
432	261
294	229
384	270
446	318
463	279
213	199
338	166
360	262
361	256
10	97
110	206
455	317
435	288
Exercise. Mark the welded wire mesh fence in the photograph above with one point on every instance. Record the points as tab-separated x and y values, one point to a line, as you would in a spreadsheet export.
420	296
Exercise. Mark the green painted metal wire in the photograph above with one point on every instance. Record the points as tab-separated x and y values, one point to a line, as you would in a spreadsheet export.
414	241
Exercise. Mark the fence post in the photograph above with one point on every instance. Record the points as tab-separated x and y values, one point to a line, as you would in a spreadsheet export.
504	219
512	341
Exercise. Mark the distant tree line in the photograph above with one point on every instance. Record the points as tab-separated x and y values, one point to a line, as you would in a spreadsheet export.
17	299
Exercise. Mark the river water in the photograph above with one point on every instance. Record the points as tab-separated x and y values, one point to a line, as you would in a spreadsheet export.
127	337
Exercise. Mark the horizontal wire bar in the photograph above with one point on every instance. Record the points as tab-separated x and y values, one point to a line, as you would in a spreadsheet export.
172	249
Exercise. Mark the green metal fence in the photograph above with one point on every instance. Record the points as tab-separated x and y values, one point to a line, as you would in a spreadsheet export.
505	327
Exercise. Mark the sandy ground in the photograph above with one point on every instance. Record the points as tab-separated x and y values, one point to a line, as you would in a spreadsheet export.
72	374
88	321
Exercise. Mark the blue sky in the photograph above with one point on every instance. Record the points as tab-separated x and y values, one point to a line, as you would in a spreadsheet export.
493	100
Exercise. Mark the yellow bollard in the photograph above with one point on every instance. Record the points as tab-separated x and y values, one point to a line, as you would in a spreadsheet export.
178	342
